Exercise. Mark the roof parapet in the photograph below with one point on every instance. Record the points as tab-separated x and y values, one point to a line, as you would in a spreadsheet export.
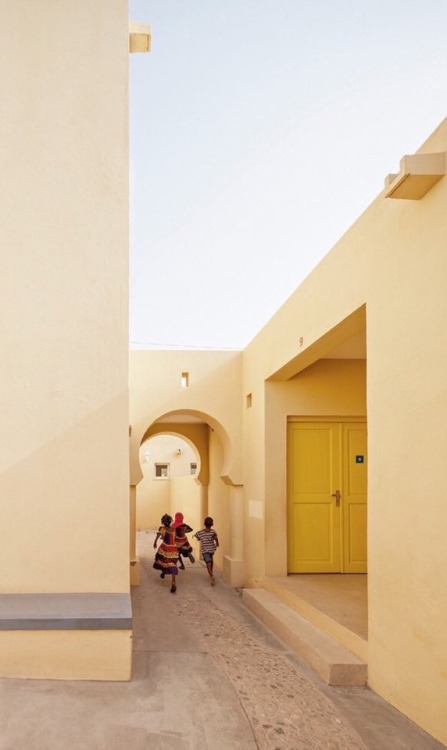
140	35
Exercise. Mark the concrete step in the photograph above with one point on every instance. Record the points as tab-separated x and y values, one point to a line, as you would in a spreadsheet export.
350	640
335	664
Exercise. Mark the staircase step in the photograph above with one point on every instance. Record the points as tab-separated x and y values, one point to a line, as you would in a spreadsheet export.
332	661
349	639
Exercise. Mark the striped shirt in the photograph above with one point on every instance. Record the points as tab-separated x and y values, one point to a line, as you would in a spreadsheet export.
207	539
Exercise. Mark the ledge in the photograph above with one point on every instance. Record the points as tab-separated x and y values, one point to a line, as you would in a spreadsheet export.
65	612
418	174
139	38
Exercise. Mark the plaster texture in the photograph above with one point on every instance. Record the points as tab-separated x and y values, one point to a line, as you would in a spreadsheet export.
206	675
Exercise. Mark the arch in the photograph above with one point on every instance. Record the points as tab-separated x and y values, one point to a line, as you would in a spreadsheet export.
167	423
220	479
190	441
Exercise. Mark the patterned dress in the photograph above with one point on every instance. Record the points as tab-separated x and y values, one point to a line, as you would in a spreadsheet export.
166	558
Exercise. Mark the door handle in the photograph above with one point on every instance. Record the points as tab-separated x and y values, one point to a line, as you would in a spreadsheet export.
336	495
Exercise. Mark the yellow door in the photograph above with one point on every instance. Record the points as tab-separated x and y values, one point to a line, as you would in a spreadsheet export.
326	497
353	500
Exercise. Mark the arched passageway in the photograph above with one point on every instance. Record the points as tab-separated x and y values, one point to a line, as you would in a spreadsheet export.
206	491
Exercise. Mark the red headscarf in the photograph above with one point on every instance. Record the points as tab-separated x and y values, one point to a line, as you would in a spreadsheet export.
178	520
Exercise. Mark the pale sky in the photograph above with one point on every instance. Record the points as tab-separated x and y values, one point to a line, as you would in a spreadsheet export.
260	131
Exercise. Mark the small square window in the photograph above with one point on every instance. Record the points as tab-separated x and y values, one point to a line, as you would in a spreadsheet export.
162	471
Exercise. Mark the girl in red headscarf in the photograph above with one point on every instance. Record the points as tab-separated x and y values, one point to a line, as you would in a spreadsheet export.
181	540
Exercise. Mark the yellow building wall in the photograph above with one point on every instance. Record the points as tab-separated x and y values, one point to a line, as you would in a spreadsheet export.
383	287
187	498
153	501
194	436
64	298
392	265
153	495
328	388
213	395
407	375
218	501
254	475
67	654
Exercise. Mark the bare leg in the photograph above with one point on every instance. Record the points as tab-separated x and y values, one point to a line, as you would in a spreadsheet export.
209	567
173	586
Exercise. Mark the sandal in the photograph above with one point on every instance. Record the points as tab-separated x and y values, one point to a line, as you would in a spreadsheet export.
173	588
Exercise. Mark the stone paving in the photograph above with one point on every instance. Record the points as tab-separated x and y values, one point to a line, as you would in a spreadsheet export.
207	675
287	705
283	705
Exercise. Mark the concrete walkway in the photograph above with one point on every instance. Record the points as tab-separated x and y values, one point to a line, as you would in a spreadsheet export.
207	676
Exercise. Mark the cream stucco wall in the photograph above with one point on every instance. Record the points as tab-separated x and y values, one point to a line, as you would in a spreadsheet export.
328	388
64	298
212	399
153	493
188	497
213	395
219	502
64	194
193	434
67	654
153	500
392	263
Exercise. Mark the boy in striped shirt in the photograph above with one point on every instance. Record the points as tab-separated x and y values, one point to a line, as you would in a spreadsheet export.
209	542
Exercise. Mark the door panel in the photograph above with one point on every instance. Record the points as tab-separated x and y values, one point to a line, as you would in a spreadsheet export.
326	535
354	498
314	518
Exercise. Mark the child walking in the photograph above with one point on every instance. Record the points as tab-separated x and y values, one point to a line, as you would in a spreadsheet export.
209	542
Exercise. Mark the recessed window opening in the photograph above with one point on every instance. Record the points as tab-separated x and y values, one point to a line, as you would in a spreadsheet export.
185	380
193	467
161	471
249	400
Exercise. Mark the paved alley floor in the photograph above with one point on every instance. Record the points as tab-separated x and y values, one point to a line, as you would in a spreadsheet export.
206	676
